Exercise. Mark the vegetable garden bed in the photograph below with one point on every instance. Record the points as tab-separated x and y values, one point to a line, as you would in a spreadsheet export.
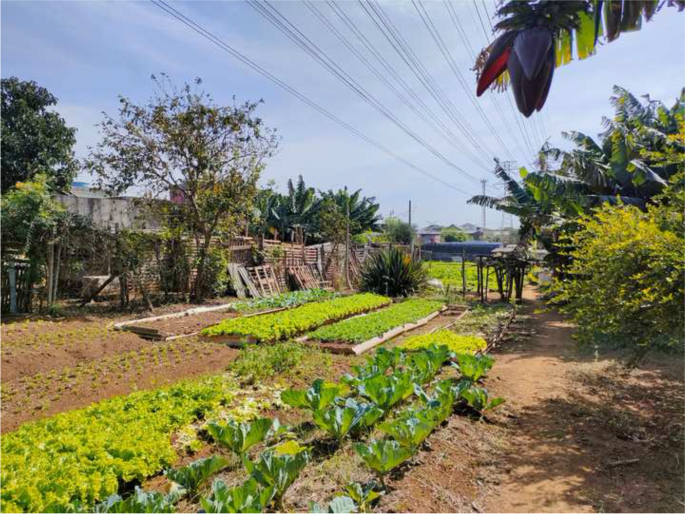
192	321
280	326
376	328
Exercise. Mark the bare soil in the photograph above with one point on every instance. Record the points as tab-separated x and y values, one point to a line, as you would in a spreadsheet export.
188	324
584	434
33	397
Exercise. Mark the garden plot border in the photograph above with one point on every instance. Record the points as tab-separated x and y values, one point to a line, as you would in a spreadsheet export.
239	341
358	349
155	334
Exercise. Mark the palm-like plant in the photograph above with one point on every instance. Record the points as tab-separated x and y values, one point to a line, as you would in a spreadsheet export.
362	210
620	164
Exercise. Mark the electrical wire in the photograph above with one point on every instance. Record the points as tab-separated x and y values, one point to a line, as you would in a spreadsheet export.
283	85
397	42
421	110
444	50
273	15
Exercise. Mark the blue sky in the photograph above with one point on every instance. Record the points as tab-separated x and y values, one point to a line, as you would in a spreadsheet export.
87	53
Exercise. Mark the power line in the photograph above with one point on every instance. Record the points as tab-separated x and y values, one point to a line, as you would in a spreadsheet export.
397	42
273	15
466	41
430	119
444	50
283	85
521	124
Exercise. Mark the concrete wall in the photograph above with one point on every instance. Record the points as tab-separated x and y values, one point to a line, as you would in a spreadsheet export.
112	213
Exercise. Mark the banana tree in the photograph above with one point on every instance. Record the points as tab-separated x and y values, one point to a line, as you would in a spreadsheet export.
538	36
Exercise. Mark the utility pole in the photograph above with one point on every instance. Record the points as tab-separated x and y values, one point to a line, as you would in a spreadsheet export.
347	245
484	182
411	235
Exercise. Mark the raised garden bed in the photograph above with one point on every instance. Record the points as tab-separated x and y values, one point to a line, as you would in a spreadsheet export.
192	321
358	335
284	325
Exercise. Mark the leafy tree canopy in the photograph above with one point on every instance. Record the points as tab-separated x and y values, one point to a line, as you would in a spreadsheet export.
453	235
35	139
398	231
182	145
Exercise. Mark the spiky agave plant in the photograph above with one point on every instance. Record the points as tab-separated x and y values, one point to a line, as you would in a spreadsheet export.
537	36
392	273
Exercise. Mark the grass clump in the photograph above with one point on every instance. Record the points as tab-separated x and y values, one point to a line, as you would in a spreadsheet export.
260	361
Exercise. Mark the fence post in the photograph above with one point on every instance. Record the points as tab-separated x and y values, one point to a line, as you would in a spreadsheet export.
12	274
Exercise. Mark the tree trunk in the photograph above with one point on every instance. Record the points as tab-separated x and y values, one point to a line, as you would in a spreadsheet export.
198	287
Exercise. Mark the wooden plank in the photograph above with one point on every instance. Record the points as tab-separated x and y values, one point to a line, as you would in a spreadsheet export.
375	341
237	281
248	282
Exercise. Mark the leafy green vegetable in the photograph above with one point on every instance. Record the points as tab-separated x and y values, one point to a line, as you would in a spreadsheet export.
319	396
249	497
363	495
382	456
478	399
473	367
240	437
455	343
410	431
340	421
385	391
338	505
277	471
191	477
363	328
425	364
283	325
388	359
140	501
81	456
291	299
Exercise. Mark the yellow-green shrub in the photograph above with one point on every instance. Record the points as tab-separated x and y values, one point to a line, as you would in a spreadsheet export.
625	284
455	342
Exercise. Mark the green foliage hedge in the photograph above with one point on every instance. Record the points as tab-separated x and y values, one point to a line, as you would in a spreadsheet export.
82	456
625	285
362	328
286	324
454	342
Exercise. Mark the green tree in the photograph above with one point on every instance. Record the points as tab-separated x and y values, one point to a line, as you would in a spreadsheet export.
35	140
181	144
398	231
453	235
36	225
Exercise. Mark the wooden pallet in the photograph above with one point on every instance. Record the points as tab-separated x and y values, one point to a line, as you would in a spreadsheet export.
305	277
265	280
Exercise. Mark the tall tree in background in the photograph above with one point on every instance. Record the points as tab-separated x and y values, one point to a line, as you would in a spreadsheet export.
35	140
182	145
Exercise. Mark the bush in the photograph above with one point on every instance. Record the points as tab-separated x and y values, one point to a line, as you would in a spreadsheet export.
392	273
625	283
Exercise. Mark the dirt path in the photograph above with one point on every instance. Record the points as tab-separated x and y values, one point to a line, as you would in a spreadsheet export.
582	435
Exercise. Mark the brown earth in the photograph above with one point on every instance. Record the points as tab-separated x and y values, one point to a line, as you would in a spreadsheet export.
585	434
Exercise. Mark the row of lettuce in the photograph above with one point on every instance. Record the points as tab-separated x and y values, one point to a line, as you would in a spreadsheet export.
279	326
329	320
388	407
